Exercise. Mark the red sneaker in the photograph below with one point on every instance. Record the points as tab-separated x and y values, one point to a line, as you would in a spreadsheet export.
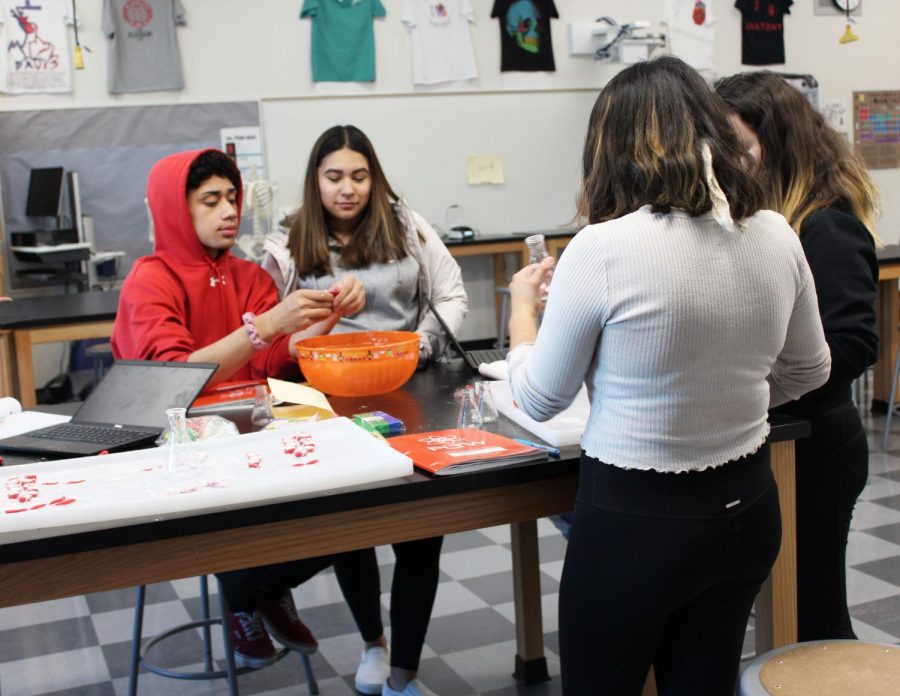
280	617
250	641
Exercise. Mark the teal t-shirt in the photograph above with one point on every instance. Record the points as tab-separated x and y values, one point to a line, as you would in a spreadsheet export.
343	40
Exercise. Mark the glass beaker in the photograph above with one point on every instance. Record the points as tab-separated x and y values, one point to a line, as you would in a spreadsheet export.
467	413
484	399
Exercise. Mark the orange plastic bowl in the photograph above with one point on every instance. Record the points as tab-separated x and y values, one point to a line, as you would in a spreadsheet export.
361	363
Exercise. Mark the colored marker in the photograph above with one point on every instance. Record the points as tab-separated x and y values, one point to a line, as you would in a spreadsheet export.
552	451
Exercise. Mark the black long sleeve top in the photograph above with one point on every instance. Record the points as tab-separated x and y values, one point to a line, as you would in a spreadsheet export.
841	255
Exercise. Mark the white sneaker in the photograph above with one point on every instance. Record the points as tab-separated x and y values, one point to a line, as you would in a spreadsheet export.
373	671
414	688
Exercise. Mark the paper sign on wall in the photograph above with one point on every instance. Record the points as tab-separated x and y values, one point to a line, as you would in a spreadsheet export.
244	146
485	169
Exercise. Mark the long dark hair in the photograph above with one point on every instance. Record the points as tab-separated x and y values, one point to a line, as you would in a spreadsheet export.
378	238
644	146
807	164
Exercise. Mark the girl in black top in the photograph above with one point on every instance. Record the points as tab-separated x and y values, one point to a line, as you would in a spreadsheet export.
823	189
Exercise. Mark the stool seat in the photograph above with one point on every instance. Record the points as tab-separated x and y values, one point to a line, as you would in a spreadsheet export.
99	350
824	668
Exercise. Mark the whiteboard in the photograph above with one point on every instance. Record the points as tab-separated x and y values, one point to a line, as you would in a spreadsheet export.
423	141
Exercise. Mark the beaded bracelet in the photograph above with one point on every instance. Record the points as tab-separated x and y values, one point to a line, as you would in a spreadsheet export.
249	319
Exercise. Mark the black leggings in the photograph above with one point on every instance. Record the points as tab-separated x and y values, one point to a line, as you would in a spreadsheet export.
413	590
663	569
832	467
243	587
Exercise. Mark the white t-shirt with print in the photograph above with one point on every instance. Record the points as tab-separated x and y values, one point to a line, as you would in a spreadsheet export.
36	57
441	41
691	32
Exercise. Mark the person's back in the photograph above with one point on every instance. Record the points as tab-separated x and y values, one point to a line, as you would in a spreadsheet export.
687	310
693	318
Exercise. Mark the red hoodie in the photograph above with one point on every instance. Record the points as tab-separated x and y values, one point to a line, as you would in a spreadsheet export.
179	300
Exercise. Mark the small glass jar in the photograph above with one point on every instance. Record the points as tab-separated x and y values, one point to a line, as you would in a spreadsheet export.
537	248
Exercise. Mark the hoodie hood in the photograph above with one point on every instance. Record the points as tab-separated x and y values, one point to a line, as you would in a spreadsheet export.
176	240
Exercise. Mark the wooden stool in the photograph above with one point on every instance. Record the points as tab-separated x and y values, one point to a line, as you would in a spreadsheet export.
824	668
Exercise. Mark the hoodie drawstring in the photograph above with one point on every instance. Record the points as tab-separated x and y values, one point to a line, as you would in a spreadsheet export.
216	277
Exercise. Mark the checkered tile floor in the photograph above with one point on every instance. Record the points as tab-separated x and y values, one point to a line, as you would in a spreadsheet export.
80	646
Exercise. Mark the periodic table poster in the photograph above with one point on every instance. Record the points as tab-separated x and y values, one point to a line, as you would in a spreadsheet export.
876	123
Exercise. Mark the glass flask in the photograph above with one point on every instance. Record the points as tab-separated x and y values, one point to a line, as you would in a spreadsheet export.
262	414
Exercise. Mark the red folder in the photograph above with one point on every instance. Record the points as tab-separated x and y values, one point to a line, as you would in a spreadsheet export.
453	451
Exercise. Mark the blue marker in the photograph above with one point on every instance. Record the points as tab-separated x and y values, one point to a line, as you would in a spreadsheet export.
552	451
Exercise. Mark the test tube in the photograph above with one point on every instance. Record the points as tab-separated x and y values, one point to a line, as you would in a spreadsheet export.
178	441
537	252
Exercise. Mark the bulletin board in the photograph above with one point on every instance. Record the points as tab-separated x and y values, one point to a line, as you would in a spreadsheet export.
876	125
112	150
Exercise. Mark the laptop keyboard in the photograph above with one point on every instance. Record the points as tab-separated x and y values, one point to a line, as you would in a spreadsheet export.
487	355
88	433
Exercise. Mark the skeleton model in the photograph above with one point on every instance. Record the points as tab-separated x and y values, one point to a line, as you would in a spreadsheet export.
259	198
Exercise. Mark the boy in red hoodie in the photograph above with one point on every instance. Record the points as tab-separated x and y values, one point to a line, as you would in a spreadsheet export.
192	300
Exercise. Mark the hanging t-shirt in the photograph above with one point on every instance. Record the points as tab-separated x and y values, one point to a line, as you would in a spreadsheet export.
343	39
762	30
36	58
143	48
525	34
441	41
692	31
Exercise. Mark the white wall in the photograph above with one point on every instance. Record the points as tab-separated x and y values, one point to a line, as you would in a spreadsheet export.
238	49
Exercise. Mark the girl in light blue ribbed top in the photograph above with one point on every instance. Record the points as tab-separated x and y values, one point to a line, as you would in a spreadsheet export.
687	311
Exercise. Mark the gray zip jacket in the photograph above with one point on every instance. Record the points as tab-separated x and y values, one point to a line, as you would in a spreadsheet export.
440	278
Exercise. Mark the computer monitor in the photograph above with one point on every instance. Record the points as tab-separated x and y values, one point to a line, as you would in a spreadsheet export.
44	192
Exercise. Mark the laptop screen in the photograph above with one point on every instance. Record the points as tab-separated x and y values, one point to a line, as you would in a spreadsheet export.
450	337
138	392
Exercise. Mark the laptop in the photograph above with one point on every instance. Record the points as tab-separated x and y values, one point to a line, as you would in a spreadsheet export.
473	358
127	410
